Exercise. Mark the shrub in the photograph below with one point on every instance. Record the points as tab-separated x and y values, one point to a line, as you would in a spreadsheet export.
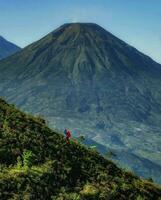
19	162
28	158
81	138
89	190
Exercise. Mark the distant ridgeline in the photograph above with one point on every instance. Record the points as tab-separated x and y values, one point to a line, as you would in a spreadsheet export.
7	48
82	77
37	163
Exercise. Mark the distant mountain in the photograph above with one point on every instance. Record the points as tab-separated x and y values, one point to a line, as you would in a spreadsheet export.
38	163
82	77
7	48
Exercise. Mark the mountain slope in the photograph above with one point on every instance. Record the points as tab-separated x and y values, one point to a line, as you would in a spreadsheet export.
82	77
7	48
37	163
130	161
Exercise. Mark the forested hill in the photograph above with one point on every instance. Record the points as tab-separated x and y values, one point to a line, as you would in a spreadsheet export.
38	163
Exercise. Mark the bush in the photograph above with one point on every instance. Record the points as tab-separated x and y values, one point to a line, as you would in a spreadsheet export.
19	162
89	191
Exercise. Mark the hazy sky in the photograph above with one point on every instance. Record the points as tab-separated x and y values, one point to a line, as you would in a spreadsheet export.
137	22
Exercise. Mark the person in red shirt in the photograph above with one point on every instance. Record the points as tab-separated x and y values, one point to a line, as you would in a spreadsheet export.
68	135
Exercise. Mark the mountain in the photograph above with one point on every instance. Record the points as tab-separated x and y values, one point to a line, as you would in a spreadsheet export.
38	163
83	78
7	48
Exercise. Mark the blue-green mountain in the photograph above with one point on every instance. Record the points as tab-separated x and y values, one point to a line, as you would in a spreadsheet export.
83	78
7	48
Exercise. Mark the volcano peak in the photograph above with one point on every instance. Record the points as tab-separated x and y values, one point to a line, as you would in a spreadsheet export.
81	24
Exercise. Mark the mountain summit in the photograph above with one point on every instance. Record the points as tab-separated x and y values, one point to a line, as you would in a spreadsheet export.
7	48
82	77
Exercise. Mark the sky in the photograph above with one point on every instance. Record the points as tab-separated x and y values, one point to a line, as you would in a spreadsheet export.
137	22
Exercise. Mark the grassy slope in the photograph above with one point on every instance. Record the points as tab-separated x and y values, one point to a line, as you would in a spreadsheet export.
59	170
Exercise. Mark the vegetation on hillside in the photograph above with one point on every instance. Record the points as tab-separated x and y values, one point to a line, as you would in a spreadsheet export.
37	163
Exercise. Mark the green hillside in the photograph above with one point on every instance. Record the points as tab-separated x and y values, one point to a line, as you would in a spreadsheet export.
37	163
82	77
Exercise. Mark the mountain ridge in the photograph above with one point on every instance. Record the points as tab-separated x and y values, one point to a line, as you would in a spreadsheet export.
7	48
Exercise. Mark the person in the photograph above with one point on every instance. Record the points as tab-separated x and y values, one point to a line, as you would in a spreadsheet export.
67	134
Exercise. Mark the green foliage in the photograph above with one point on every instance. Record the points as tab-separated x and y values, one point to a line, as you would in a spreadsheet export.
27	158
150	179
89	190
19	162
40	119
63	195
81	138
140	198
36	163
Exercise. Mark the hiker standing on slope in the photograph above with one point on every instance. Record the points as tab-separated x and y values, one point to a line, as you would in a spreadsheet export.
67	134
